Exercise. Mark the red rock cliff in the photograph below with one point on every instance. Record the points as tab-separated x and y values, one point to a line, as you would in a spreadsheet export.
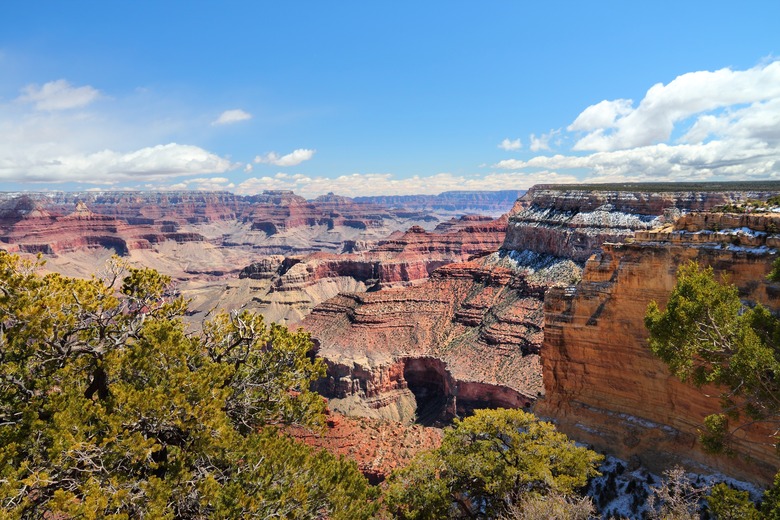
573	223
603	385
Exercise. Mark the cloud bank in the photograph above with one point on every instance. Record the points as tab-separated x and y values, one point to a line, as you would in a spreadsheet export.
50	135
358	184
720	125
152	163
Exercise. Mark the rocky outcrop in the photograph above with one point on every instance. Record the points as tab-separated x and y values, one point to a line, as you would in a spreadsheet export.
573	223
467	337
377	446
276	212
603	385
302	282
28	227
478	328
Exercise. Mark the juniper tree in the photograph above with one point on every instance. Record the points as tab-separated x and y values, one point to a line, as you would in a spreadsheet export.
109	408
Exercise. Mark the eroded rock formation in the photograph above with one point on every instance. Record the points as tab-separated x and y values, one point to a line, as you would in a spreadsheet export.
573	223
274	222
603	385
297	283
467	337
474	329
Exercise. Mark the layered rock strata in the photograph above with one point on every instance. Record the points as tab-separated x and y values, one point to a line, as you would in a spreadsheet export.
467	337
28	227
573	223
466	351
274	222
603	385
298	283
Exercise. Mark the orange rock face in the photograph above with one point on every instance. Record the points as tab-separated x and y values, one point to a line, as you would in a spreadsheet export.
603	385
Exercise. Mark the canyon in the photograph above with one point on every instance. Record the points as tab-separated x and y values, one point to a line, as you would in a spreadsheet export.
603	385
554	302
214	245
423	314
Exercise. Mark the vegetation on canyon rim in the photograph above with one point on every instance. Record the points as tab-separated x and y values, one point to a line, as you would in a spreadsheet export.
109	408
706	335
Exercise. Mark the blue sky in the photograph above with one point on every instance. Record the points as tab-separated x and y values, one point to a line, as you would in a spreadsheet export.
385	97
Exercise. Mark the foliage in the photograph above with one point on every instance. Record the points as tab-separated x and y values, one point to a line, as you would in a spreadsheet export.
676	498
486	463
110	409
770	507
774	274
706	336
726	503
555	505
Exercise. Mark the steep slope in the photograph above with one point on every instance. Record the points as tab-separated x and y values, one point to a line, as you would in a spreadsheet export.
471	333
604	386
467	337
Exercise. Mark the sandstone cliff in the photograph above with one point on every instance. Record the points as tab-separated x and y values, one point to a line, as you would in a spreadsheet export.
603	385
469	336
573	223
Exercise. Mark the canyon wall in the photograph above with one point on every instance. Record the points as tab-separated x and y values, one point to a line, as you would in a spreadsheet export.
470	331
483	318
602	384
299	252
573	223
297	283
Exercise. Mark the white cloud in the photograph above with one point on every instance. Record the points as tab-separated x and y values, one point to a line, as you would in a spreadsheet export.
616	125
510	145
543	141
734	160
294	158
358	184
601	115
729	122
41	142
232	116
109	167
58	95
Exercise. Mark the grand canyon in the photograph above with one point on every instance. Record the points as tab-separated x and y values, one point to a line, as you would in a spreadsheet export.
425	309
